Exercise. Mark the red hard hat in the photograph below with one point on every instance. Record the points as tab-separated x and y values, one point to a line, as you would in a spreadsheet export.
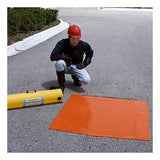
74	31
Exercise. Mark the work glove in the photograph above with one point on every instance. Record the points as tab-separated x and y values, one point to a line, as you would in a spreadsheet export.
80	66
83	64
67	59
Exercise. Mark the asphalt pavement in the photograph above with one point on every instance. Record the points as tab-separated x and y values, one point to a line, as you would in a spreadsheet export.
121	68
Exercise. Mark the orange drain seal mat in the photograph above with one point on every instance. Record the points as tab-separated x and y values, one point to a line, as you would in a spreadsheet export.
106	117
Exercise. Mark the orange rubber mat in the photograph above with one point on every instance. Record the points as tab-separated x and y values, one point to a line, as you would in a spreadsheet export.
106	117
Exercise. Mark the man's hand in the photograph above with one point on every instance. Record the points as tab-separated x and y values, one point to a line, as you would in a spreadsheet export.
67	59
85	63
80	66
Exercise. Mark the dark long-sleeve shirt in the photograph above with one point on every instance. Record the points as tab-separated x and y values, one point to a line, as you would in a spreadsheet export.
75	53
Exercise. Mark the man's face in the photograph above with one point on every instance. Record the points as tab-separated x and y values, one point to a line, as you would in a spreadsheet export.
74	41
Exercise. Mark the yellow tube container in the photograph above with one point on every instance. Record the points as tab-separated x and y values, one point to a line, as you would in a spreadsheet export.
34	98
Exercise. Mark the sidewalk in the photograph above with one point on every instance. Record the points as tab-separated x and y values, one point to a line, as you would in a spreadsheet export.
36	39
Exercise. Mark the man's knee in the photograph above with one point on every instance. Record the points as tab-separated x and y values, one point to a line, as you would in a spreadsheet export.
86	79
60	65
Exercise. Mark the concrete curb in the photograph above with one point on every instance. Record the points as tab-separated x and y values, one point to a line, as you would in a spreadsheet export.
36	39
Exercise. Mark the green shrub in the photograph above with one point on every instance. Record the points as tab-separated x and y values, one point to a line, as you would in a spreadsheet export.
19	39
29	19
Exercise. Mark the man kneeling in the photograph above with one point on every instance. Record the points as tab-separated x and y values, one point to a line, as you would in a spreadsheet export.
68	54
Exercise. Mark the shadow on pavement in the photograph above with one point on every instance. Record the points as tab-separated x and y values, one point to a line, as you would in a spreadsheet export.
69	85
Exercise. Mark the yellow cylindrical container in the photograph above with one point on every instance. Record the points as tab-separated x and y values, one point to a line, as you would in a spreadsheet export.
34	98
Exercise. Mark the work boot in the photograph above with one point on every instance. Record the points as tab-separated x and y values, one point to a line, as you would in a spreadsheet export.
76	81
61	80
